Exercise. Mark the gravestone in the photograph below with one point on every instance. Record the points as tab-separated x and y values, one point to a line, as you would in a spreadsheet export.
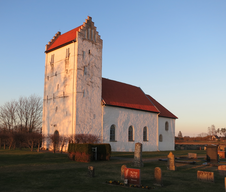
158	177
132	176
222	170
171	162
138	155
91	171
212	153
205	176
122	171
225	184
192	155
221	154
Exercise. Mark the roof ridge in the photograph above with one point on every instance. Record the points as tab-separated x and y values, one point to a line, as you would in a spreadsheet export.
121	83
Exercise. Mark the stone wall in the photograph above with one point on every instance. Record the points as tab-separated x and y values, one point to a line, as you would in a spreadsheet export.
189	147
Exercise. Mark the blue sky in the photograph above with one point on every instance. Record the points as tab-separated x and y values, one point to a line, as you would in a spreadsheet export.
174	50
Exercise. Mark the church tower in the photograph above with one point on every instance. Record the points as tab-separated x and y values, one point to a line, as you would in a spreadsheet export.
73	82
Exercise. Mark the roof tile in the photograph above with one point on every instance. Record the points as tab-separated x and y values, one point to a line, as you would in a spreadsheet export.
163	111
124	95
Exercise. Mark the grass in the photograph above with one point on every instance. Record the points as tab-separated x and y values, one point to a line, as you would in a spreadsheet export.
22	170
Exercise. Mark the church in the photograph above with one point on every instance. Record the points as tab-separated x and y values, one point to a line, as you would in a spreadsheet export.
77	99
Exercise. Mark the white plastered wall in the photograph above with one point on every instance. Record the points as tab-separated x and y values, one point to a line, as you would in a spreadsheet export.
122	118
59	91
168	137
89	83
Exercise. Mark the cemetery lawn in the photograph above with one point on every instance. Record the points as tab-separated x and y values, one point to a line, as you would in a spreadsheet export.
22	170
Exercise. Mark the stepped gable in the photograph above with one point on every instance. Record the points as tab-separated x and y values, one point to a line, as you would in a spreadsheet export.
68	37
163	111
124	95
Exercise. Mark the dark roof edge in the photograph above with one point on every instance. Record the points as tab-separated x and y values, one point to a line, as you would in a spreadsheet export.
169	117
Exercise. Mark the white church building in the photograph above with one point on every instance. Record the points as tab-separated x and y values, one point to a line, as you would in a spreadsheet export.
78	100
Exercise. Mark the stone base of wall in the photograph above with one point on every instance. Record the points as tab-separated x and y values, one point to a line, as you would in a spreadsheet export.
189	147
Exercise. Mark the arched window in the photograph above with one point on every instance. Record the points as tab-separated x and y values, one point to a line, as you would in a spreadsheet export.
166	126
112	133
160	138
130	133
145	133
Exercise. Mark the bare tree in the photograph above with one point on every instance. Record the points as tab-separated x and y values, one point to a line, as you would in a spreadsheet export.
24	114
212	130
54	139
63	141
86	138
8	116
180	134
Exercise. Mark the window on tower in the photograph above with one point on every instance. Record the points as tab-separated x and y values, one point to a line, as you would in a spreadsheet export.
67	53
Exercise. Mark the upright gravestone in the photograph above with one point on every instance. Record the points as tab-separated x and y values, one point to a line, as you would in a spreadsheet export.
192	155
225	184
222	170
91	171
171	162
138	155
158	177
205	176
122	171
212	153
132	176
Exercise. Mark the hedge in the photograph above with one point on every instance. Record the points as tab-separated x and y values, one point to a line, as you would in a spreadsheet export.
83	152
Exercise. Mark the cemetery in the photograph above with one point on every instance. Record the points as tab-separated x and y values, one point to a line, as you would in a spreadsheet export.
180	170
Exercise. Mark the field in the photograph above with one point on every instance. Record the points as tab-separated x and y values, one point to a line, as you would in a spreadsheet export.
22	170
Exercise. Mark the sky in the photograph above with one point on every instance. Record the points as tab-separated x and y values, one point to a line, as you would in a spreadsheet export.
174	50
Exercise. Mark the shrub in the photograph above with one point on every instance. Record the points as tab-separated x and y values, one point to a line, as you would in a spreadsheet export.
86	138
83	152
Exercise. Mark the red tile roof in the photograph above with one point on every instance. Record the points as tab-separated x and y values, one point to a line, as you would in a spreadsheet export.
65	38
163	111
123	95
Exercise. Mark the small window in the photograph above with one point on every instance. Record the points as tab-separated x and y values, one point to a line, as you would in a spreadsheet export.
67	53
57	86
160	138
95	37
88	33
56	73
85	34
85	70
112	133
83	54
130	134
52	59
92	34
145	134
84	93
89	51
56	109
166	126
